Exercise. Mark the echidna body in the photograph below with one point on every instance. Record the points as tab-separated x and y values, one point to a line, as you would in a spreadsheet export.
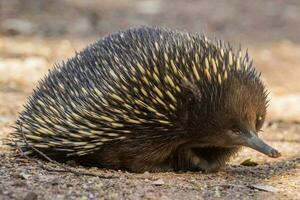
148	99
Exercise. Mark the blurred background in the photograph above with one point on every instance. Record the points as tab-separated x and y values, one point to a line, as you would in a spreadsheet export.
35	34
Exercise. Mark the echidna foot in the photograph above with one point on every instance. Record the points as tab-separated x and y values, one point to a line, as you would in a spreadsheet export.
186	160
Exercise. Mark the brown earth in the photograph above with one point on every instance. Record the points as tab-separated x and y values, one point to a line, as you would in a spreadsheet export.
33	36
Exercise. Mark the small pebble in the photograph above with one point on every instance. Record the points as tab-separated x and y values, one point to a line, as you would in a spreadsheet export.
266	188
146	174
158	182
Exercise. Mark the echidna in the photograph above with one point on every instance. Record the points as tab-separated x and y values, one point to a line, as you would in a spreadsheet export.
148	99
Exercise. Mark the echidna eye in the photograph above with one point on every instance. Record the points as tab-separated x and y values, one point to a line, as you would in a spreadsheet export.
259	122
235	128
259	118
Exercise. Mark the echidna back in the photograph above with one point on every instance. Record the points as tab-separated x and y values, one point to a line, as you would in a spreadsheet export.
135	83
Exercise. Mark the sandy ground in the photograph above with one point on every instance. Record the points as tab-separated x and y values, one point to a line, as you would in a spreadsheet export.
28	51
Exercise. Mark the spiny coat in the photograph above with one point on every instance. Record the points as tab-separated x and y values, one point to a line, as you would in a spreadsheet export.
144	99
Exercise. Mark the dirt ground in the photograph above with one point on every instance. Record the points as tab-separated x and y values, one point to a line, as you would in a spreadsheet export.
36	34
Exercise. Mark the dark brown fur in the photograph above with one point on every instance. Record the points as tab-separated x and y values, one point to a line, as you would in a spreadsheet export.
208	150
146	99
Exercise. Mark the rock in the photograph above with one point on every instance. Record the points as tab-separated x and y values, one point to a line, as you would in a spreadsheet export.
248	162
146	174
266	188
23	175
158	182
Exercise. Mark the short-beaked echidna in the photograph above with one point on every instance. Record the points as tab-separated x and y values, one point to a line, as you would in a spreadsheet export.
148	99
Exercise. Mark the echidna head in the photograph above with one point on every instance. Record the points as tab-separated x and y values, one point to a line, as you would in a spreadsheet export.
240	114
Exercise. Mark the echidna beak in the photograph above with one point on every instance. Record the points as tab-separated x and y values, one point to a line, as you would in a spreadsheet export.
258	144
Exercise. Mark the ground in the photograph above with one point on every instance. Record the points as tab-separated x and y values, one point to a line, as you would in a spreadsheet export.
34	36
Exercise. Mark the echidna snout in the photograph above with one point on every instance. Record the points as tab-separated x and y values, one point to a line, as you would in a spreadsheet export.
147	99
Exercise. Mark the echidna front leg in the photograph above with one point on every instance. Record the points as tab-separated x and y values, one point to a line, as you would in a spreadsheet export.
216	157
185	159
